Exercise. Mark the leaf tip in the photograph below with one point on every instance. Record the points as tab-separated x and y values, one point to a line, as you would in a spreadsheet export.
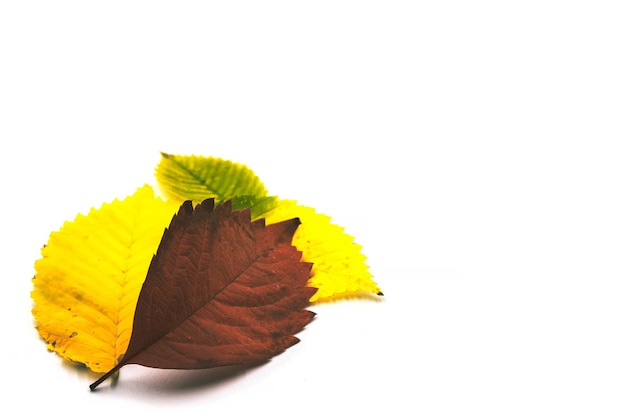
185	208
310	292
207	204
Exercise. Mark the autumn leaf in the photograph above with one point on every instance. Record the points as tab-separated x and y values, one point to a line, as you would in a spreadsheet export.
221	290
89	276
340	268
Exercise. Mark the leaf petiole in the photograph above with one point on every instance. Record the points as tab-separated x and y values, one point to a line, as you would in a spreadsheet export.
113	372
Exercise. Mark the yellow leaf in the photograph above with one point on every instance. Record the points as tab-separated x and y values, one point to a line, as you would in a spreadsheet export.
88	279
339	267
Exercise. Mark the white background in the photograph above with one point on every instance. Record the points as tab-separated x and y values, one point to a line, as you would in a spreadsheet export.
474	148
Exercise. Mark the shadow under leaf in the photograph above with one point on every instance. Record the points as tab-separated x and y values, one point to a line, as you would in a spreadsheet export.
174	381
353	296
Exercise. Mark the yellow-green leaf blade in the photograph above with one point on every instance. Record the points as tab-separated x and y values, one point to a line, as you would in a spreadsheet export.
196	178
339	267
89	276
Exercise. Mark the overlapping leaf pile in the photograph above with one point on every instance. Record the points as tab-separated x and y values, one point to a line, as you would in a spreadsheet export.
227	284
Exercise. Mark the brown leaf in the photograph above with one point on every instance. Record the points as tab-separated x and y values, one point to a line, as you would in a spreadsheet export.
221	290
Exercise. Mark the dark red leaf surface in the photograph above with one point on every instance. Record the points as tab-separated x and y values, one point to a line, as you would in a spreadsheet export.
221	290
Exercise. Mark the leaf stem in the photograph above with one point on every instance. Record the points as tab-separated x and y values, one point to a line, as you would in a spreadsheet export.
105	376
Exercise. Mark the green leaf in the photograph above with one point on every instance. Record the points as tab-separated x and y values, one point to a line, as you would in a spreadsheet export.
197	178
